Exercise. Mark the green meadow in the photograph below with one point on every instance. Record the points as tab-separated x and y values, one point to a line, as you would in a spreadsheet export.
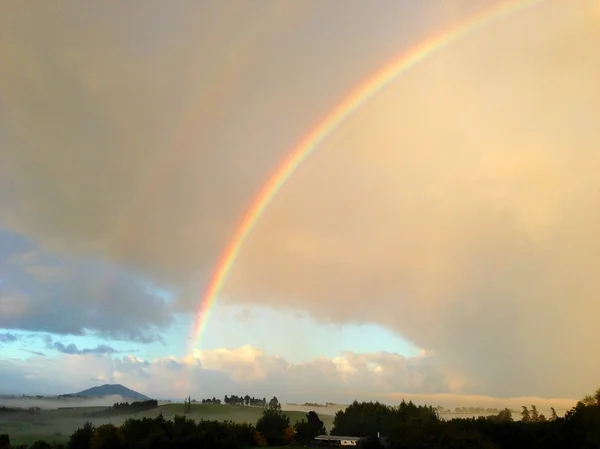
58	425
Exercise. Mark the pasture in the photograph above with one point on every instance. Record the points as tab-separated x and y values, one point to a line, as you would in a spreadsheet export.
58	424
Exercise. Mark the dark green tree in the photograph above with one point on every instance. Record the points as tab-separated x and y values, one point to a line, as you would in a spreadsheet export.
40	444
274	403
80	439
525	415
105	437
535	416
272	425
503	416
187	405
307	429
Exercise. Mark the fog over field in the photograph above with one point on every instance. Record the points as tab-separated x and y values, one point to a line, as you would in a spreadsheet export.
54	402
448	402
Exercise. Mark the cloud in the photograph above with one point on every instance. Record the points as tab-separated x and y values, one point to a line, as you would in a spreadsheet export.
458	207
7	337
72	349
384	372
30	351
382	376
48	341
172	158
46	375
128	196
89	296
244	364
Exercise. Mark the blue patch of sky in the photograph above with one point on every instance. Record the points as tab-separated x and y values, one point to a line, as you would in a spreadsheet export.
296	337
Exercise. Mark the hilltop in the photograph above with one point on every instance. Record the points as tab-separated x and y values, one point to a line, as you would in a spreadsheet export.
111	390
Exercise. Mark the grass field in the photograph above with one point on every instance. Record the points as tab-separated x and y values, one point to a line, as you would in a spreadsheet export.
58	425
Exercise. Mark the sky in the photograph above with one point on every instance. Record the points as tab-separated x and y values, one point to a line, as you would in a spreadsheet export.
441	244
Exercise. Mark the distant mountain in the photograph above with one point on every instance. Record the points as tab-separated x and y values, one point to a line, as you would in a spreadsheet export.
112	390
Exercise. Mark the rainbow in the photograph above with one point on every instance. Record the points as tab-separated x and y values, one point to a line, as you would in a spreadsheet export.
332	120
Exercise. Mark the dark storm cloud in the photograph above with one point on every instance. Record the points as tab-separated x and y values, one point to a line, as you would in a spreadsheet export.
74	350
459	207
30	351
78	297
7	337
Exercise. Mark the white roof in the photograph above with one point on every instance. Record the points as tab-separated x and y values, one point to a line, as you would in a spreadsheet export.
337	438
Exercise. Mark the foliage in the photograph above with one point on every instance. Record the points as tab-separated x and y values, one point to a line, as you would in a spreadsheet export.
503	416
367	419
525	415
272	425
289	435
307	429
134	407
274	403
4	441
406	426
80	439
247	400
40	444
105	437
187	405
258	439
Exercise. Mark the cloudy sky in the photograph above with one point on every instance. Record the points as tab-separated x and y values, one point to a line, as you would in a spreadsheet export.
442	241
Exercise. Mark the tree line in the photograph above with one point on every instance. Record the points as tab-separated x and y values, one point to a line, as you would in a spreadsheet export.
134	407
250	401
405	426
125	408
247	401
273	428
409	426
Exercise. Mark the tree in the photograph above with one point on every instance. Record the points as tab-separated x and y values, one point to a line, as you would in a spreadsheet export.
272	425
597	397
40	444
274	403
525	415
366	419
589	400
258	439
105	437
4	441
80	439
307	429
289	435
553	416
504	416
187	405
535	416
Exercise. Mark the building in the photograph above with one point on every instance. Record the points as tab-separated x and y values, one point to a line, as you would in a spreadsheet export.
338	441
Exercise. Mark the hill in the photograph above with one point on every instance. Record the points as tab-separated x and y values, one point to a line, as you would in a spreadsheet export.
111	390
